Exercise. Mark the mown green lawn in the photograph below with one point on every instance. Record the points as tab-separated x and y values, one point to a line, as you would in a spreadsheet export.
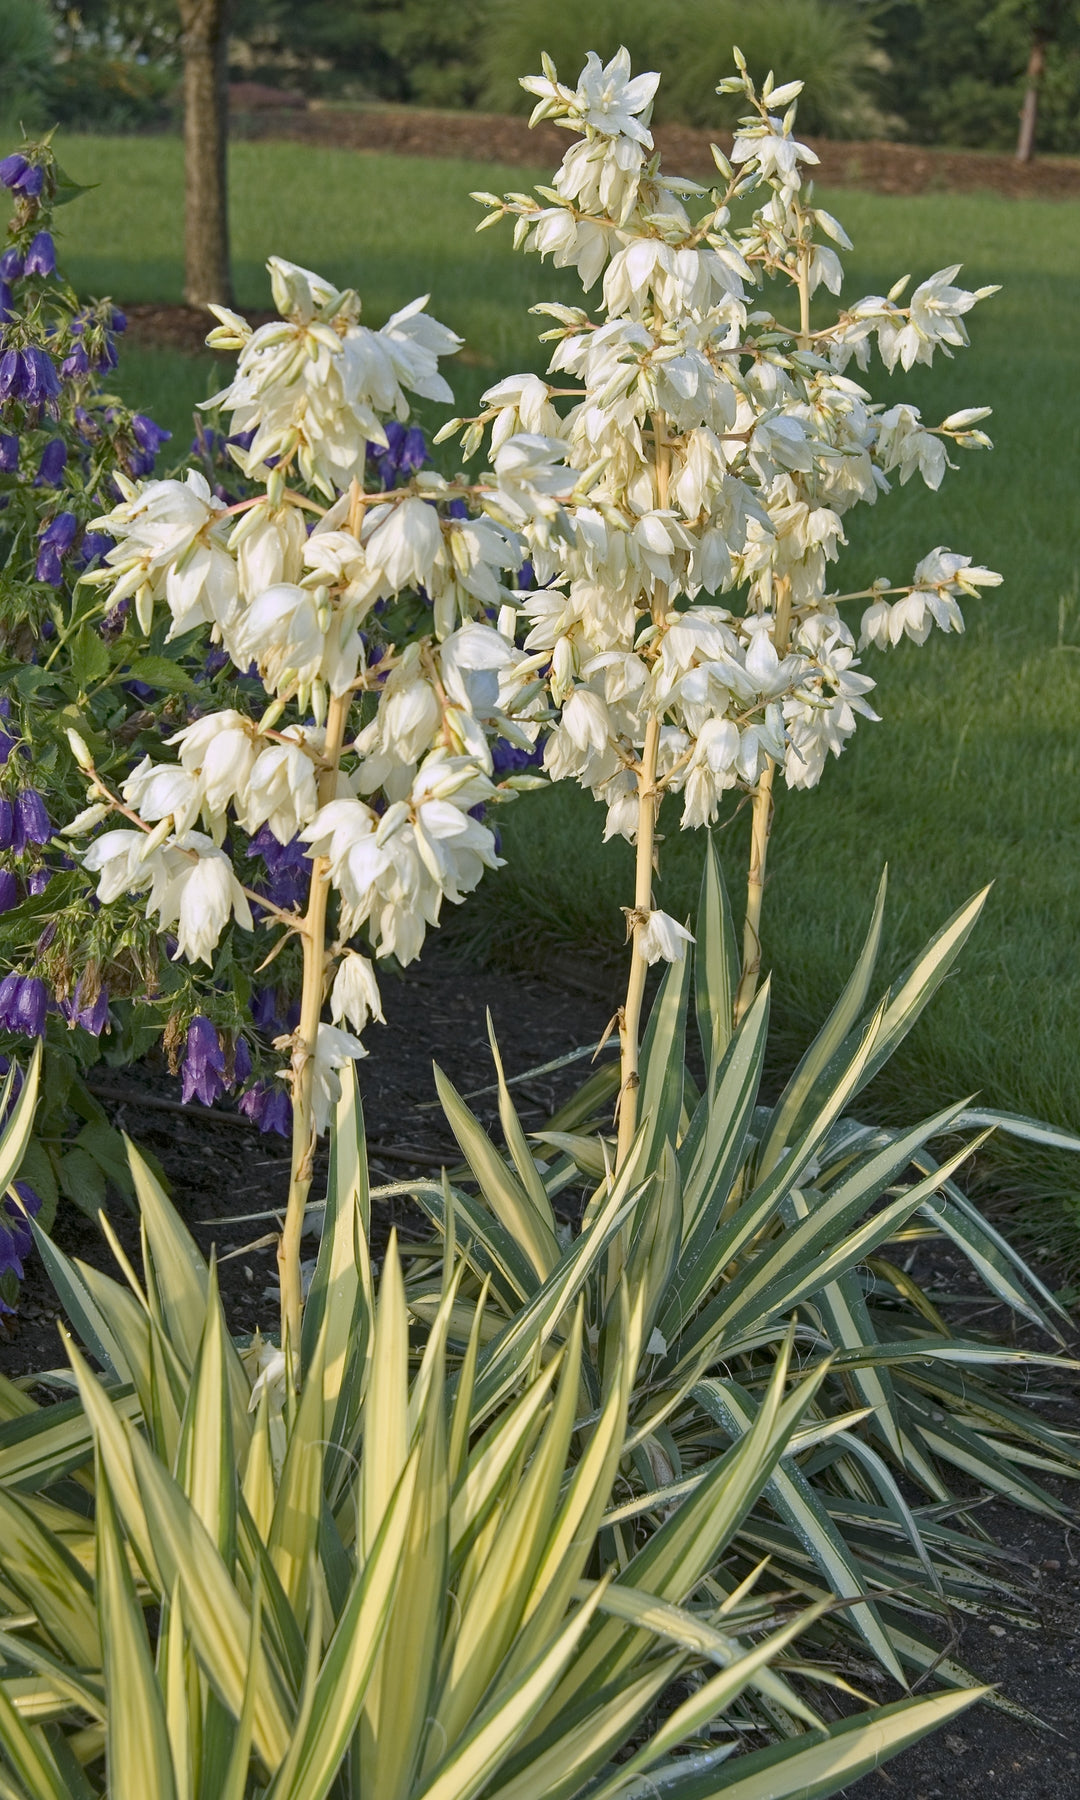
974	776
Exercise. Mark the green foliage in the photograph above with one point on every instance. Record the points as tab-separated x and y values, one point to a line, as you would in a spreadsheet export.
957	72
25	62
829	41
91	91
392	1582
410	50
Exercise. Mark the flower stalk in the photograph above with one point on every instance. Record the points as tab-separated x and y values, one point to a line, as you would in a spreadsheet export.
304	1051
630	1011
761	821
648	799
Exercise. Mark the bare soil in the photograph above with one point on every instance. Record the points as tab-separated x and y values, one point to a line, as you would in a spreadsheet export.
221	1170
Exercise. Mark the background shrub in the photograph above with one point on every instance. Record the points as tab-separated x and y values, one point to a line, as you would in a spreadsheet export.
829	41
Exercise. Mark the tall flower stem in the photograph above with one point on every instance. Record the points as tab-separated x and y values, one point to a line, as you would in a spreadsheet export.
630	1012
648	806
760	828
762	815
304	1045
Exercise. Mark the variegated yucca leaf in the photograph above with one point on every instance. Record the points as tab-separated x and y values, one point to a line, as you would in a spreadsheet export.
399	1583
745	1218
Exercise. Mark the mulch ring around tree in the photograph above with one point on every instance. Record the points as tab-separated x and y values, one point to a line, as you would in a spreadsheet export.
881	168
221	1171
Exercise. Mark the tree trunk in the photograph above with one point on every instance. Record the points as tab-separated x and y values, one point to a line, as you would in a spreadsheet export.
206	119
1029	112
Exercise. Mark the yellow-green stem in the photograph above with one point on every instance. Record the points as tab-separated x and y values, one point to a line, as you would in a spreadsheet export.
648	806
760	827
630	1015
762	816
303	1057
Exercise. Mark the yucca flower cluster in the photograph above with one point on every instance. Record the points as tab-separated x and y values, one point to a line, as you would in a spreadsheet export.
381	625
718	446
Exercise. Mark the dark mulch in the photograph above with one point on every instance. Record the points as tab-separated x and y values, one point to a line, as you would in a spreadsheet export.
883	168
219	1167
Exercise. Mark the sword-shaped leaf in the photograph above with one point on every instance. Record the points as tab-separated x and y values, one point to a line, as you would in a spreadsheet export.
826	1762
504	1193
138	1755
41	1569
716	964
842	1020
794	1499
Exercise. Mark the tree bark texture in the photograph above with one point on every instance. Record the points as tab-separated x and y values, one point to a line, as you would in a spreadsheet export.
1029	112
206	121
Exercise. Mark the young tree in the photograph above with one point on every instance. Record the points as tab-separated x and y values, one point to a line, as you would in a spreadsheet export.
206	112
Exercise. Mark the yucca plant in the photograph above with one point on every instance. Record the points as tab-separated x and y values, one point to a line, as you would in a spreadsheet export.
381	1586
755	1221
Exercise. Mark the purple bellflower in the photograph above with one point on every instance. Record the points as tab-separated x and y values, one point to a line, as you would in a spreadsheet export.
53	463
16	1238
32	824
92	1016
9	453
12	169
76	364
9	891
267	1106
204	1063
41	256
24	1002
149	438
55	541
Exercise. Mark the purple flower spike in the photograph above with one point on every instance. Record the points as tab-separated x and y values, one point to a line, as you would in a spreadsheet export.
52	465
31	816
9	891
9	453
11	264
30	1007
12	169
41	256
204	1063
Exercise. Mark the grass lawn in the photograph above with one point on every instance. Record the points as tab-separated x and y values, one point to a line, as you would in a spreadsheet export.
974	775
